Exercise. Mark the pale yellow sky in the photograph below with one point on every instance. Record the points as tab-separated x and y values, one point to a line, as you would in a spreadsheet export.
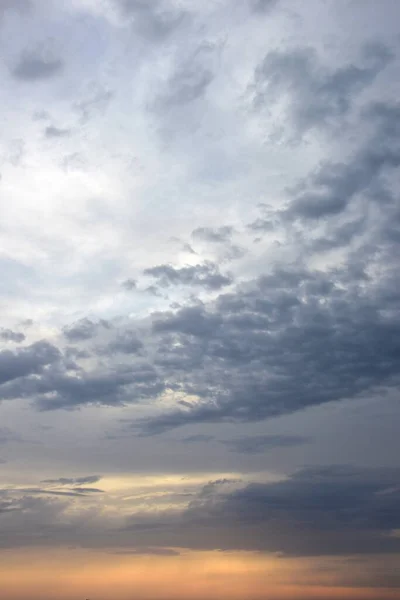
75	574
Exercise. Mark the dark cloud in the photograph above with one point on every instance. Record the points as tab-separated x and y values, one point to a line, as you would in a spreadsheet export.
262	443
319	96
26	361
206	275
84	329
126	342
42	373
291	340
34	67
218	234
191	321
330	191
7	335
319	511
118	386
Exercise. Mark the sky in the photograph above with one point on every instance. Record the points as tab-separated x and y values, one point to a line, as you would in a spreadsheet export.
199	299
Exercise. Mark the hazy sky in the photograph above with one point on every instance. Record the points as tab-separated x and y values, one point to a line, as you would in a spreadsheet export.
199	299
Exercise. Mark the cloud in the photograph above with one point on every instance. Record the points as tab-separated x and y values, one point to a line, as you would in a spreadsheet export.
334	186
34	67
218	234
84	329
126	342
129	284
149	552
206	275
115	387
197	438
76	492
189	80
263	6
73	480
95	102
7	335
27	360
55	132
154	21
290	340
318	96
22	6
318	511
262	443
6	435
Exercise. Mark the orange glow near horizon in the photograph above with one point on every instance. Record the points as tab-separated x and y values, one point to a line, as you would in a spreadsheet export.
74	574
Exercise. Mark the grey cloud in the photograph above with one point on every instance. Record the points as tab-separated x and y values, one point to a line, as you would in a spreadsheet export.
96	102
294	339
149	551
55	132
193	321
114	387
84	329
197	438
42	374
263	6
6	436
331	510
22	6
73	480
334	186
319	511
76	353
126	342
26	361
44	492
209	234
318	95
154	21
7	335
187	84
206	275
262	443
34	67
129	284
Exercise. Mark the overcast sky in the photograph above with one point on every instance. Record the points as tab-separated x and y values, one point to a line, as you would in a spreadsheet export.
199	299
